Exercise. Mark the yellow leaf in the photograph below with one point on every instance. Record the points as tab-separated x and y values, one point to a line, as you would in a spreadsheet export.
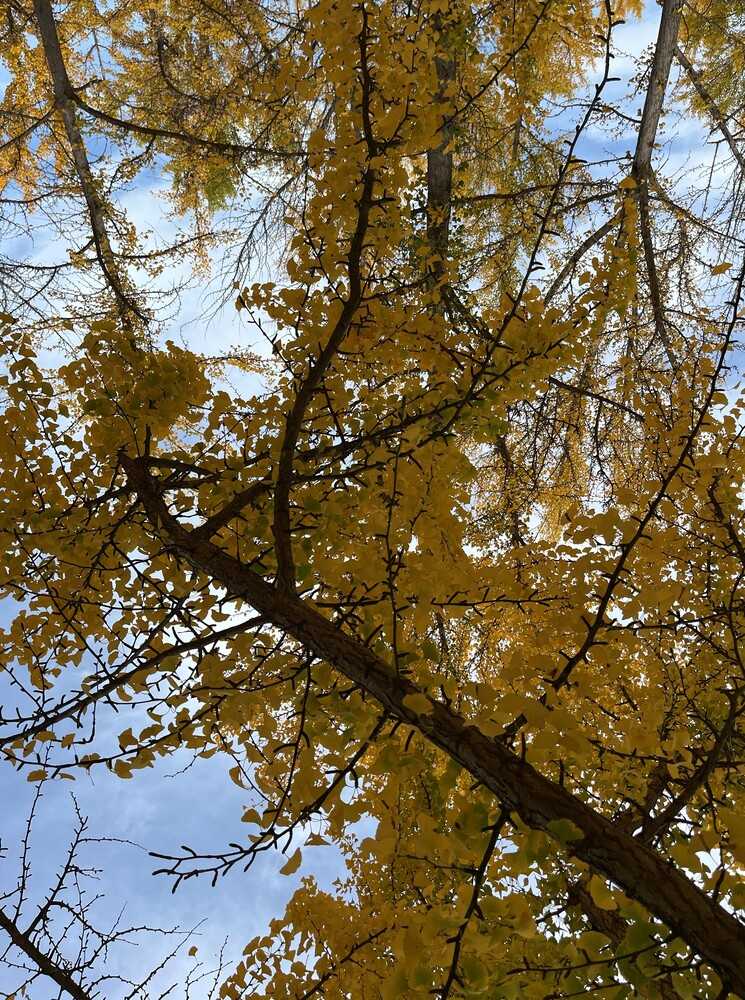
126	739
418	703
601	894
236	777
564	830
292	864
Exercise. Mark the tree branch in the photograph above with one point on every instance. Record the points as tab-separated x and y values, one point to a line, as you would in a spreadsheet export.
43	962
574	259
64	96
642	167
721	122
707	927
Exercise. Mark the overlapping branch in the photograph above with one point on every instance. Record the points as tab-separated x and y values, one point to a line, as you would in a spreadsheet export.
540	803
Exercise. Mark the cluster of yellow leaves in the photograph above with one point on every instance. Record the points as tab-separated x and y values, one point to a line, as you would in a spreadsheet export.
434	515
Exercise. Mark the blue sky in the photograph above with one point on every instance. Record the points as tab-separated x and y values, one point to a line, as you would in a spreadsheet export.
178	801
165	806
161	809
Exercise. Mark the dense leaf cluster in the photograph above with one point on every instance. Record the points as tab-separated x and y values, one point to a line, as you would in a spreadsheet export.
467	565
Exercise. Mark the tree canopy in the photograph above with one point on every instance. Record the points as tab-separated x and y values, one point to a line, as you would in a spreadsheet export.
465	570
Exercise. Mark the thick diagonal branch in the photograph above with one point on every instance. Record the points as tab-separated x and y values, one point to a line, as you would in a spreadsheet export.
43	962
707	928
696	78
667	38
236	149
64	96
587	244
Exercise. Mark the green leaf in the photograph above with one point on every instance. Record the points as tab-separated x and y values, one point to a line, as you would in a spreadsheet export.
418	703
565	831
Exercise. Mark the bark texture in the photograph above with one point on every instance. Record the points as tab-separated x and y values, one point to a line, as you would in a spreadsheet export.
642	874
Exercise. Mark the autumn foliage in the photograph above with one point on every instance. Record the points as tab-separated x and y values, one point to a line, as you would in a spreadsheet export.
465	561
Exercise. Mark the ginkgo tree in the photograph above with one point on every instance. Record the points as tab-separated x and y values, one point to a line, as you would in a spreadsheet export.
468	567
